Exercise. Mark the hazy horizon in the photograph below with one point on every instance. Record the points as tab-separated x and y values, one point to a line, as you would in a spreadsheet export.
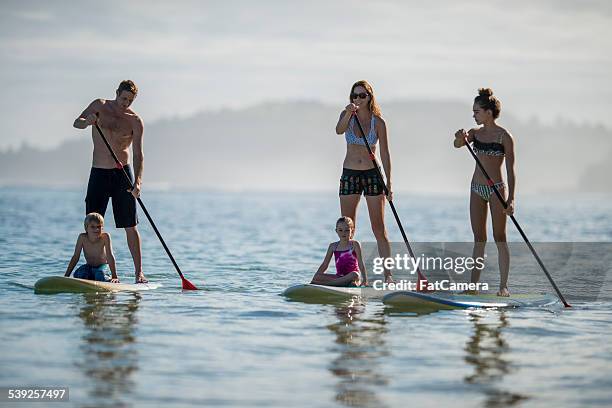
467	121
251	152
549	60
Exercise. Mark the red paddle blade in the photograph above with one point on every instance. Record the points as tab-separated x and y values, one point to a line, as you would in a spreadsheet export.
188	285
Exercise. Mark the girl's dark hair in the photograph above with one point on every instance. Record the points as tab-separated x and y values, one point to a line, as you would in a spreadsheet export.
487	101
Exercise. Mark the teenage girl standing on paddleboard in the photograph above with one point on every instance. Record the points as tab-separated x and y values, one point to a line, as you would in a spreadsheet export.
491	143
358	175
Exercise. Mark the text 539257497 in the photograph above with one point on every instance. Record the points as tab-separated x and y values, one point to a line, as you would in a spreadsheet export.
34	394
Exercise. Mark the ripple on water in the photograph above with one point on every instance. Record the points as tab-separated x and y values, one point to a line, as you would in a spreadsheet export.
237	342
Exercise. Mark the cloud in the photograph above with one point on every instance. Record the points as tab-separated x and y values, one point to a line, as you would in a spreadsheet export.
199	55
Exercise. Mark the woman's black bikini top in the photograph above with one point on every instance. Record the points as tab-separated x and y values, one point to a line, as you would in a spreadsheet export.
489	149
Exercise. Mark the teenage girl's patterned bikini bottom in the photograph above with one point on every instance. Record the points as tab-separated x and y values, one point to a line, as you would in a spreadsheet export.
485	191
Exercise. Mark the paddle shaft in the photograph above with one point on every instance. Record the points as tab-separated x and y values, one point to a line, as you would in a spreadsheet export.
144	209
516	224
386	191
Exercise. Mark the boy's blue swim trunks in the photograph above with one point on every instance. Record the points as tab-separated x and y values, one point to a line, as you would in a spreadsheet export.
97	273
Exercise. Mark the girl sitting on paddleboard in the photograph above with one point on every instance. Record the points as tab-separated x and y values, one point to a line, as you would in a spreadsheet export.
96	245
359	176
350	270
492	144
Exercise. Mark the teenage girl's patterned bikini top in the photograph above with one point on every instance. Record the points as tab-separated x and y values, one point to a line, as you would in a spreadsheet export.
489	149
353	128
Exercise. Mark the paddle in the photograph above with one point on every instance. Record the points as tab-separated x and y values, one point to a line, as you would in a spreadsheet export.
186	284
516	224
420	276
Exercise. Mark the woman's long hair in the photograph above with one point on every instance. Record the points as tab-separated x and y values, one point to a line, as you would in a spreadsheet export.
373	105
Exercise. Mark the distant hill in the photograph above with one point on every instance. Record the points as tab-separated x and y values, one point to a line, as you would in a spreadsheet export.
292	146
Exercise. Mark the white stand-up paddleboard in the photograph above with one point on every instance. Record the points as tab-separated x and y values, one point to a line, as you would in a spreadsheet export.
63	284
449	301
312	292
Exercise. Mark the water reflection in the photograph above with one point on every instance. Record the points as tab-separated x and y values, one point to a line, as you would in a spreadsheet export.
486	351
109	353
359	344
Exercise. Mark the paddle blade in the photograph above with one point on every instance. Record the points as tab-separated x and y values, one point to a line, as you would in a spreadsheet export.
188	285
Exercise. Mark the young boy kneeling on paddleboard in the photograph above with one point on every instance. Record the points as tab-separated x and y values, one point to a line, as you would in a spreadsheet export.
347	255
98	252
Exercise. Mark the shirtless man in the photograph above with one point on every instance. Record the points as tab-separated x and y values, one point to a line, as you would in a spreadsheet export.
122	128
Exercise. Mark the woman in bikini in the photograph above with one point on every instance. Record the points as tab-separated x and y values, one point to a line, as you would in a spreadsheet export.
492	143
359	176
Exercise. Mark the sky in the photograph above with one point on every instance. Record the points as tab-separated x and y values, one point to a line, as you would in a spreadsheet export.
546	60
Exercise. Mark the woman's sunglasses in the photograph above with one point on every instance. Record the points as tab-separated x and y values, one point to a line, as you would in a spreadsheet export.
361	95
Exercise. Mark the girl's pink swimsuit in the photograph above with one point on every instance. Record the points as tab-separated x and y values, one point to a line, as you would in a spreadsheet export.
346	261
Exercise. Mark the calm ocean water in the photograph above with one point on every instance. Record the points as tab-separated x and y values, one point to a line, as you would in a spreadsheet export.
239	343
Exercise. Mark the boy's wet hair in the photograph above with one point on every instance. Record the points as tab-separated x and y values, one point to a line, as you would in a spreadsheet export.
93	217
348	221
